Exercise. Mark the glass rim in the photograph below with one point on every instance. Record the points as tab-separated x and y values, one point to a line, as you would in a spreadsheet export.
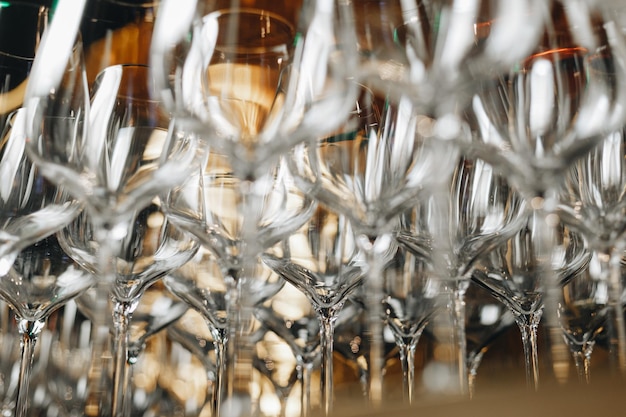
140	4
151	97
291	31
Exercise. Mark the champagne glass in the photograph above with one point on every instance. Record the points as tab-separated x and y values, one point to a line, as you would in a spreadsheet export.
222	68
433	51
323	261
584	310
480	212
41	279
202	285
412	295
385	157
537	118
290	316
486	319
514	274
592	203
151	248
253	80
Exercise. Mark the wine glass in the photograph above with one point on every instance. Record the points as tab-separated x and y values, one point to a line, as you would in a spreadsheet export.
433	51
202	285
584	310
253	80
486	319
480	212
151	248
323	261
116	32
412	295
211	205
290	316
258	77
106	147
537	118
41	279
514	274
386	156
591	202
36	277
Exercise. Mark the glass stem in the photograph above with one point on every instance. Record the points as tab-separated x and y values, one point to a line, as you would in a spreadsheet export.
407	360
327	330
305	370
460	341
548	223
122	314
99	385
528	324
29	331
582	359
616	288
473	362
374	249
220	344
237	395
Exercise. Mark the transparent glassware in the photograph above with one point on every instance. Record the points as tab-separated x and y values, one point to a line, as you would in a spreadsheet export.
202	285
72	346
257	78
117	32
385	157
515	274
592	203
541	115
412	295
237	225
486	319
323	261
104	145
253	80
41	279
433	52
151	248
290	316
36	276
480	212
584	312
